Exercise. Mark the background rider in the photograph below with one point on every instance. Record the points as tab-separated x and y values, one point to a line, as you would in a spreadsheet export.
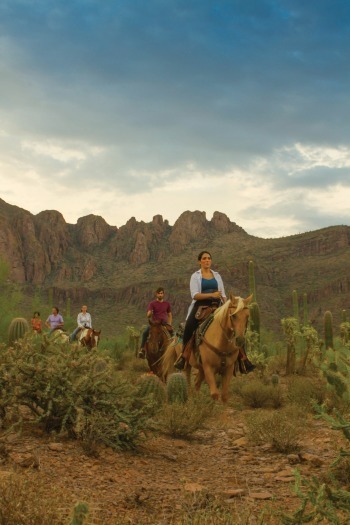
55	320
83	321
157	310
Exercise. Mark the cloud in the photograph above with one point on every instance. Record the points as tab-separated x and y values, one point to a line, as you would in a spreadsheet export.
137	101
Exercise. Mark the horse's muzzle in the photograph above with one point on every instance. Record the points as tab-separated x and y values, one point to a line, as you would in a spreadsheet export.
240	341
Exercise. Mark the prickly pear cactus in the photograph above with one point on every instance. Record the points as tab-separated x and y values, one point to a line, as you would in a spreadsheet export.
17	329
150	384
177	388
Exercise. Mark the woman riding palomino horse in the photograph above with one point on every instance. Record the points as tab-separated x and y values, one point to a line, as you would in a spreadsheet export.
219	341
207	291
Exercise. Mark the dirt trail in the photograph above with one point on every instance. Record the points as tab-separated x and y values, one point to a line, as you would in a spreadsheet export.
153	483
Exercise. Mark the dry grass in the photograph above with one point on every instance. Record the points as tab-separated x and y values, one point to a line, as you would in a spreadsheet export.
24	501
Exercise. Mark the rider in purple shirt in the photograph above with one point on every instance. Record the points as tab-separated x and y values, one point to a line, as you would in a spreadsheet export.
54	321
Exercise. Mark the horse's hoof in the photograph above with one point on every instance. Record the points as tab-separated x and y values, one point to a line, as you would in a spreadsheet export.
215	396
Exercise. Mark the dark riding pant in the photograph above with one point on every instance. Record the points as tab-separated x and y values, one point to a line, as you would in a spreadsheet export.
191	322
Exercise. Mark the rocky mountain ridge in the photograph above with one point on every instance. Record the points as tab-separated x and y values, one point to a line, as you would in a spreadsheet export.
117	269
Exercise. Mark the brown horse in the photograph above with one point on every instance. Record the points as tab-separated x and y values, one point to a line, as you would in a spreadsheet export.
89	337
218	346
156	344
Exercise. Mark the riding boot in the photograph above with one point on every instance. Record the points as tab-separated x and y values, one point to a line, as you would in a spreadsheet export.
245	366
142	353
180	363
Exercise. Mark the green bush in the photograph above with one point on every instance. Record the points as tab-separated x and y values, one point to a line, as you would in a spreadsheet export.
256	394
183	419
305	392
282	429
70	389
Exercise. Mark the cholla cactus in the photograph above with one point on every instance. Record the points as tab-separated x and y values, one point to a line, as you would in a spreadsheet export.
177	388
17	329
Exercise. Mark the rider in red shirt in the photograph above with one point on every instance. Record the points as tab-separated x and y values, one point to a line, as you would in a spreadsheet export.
157	310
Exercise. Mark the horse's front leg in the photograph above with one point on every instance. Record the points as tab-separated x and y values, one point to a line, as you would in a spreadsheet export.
226	379
210	379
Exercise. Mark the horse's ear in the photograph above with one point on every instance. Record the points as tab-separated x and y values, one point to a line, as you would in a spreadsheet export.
248	300
232	296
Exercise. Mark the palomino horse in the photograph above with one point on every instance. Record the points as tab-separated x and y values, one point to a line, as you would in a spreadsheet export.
217	346
89	337
156	344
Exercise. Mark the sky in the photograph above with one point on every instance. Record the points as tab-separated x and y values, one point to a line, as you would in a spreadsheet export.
134	108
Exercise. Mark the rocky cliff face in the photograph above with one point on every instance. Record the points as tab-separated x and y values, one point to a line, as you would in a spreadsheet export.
124	265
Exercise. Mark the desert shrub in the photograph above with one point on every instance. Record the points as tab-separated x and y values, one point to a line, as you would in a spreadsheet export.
256	394
183	419
305	392
64	385
26	502
282	429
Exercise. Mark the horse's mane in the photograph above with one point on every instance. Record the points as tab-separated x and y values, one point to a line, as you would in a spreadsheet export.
221	312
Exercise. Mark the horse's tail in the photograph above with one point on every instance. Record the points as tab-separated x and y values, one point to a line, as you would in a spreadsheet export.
169	357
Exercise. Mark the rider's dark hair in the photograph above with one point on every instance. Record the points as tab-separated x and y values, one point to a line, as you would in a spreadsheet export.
55	307
36	313
202	253
160	289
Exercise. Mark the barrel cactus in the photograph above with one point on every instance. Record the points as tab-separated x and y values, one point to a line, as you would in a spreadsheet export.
150	384
177	388
17	329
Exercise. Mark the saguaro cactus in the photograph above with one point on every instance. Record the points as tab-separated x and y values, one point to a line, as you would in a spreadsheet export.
328	329
254	318
295	305
252	280
17	329
291	331
305	310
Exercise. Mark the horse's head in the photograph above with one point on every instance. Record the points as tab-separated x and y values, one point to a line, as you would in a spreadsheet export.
234	317
157	337
240	317
90	337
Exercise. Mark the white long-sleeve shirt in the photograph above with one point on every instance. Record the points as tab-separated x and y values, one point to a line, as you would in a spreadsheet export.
84	320
196	286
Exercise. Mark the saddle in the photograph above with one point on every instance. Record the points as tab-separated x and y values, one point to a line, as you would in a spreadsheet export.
204	311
